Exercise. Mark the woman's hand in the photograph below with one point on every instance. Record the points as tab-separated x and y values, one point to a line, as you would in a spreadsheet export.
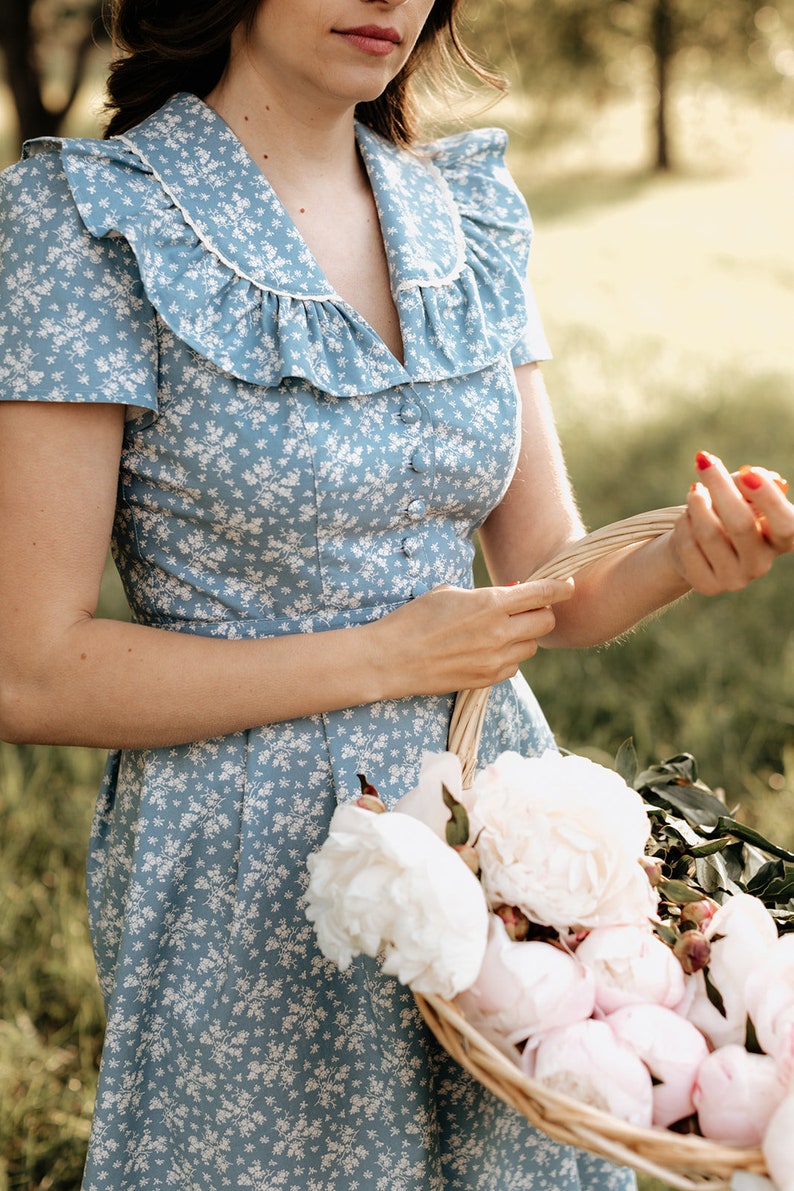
734	528
453	639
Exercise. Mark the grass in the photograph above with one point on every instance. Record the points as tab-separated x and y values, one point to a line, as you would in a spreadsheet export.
668	303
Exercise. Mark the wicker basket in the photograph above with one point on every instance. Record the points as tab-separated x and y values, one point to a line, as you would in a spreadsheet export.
684	1161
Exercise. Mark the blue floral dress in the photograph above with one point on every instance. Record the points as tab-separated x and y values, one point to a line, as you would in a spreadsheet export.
281	472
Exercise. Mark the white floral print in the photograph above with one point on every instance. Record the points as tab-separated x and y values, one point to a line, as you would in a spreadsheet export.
282	472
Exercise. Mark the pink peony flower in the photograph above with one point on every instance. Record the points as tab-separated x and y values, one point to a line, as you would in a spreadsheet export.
561	838
631	965
740	933
769	994
387	883
588	1062
735	1095
526	987
672	1050
778	1145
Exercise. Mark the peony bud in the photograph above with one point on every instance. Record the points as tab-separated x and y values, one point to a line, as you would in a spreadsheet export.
631	965
778	1145
769	993
740	933
523	988
672	1050
369	799
735	1095
368	803
515	921
653	869
698	913
590	1063
693	951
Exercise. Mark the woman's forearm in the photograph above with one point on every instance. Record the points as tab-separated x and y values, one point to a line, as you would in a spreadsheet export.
112	685
617	593
107	684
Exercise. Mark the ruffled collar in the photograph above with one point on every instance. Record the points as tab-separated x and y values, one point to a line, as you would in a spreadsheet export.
228	271
233	208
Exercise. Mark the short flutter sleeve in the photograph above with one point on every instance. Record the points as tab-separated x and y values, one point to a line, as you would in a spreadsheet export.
75	324
497	233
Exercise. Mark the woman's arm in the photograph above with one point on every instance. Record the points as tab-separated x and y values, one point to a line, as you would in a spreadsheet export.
729	535
67	676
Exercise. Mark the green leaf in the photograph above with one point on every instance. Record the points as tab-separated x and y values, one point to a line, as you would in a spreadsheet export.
699	807
772	871
717	845
727	825
626	762
711	874
665	933
714	994
457	829
679	893
782	891
751	1042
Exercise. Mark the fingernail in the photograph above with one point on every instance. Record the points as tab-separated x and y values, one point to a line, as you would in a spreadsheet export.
515	583
703	461
694	487
750	478
774	476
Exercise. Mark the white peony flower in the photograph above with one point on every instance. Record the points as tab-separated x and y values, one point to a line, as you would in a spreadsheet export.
741	932
523	988
588	1062
672	1050
735	1095
631	965
387	883
769	994
561	837
426	802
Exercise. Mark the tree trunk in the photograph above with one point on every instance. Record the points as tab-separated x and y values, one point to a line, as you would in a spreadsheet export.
663	45
23	70
16	41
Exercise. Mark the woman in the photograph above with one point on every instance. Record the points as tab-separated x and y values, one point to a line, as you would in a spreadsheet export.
284	362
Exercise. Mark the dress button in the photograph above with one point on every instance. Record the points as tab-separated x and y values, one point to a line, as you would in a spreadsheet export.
411	547
420	460
410	413
416	509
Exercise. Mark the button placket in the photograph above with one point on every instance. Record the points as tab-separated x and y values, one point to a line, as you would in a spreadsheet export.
418	476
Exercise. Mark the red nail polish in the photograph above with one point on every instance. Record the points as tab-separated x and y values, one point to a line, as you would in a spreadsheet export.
515	583
693	487
775	476
750	479
703	461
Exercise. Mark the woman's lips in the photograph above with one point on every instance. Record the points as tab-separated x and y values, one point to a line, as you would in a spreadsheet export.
371	39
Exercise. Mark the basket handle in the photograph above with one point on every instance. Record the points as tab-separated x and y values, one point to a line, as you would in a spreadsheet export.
468	714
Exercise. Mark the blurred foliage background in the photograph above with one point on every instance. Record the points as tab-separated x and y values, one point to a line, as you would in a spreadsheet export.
654	142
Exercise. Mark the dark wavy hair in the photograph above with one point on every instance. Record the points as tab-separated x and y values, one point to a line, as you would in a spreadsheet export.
167	46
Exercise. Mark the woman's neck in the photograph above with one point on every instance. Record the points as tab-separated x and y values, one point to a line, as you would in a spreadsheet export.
293	143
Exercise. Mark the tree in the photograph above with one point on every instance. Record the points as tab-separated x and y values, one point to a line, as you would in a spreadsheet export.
46	46
595	49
